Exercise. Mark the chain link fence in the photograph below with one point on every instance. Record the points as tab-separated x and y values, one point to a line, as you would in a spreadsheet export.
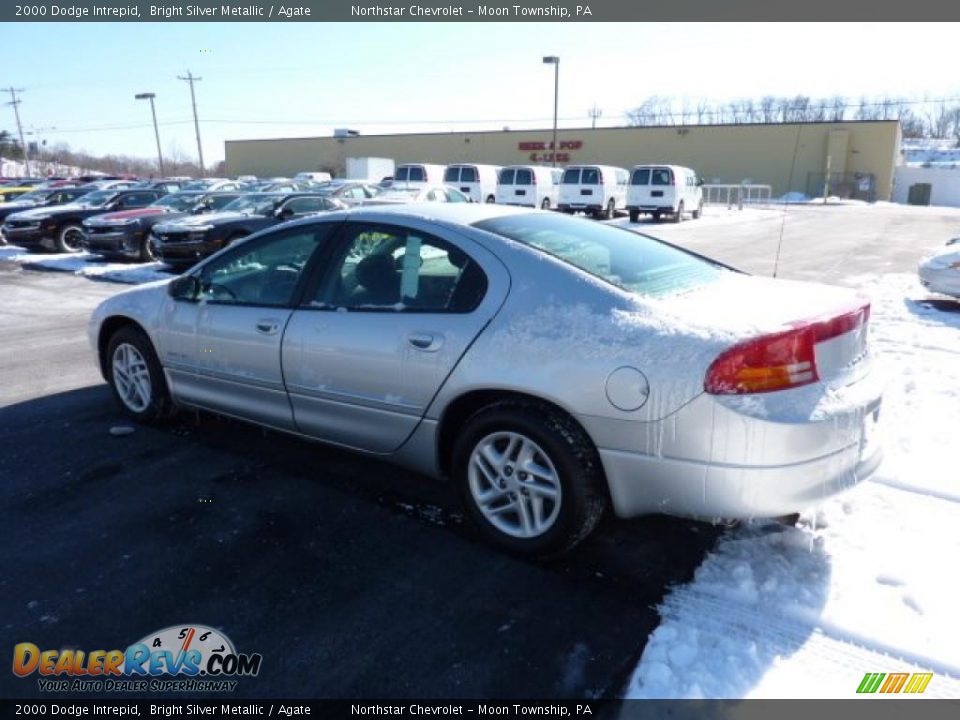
737	196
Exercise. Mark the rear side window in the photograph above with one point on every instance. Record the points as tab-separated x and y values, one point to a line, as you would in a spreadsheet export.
506	177
589	176
524	177
571	176
630	261
451	175
640	177
468	174
662	176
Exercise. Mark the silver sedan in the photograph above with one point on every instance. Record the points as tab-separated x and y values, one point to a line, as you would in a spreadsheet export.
551	367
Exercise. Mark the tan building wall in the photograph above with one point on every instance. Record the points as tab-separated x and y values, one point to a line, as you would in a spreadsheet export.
719	153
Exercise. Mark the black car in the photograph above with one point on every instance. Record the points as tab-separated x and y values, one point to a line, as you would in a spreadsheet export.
184	242
125	234
39	198
61	228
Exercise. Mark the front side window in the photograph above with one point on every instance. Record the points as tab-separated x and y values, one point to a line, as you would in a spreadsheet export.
263	273
388	269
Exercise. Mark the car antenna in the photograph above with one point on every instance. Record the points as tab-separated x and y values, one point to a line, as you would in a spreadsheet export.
783	219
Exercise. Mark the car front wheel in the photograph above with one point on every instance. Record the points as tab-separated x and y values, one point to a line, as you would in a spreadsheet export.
136	377
70	239
529	478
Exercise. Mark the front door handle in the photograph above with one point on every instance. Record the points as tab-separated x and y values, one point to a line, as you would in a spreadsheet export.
428	342
268	326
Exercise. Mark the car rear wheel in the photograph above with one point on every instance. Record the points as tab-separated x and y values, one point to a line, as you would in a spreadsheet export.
656	216
611	209
634	216
529	478
70	239
698	212
545	205
136	377
678	216
491	199
146	253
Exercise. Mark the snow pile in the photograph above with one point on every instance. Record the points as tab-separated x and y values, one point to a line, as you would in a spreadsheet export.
866	583
88	265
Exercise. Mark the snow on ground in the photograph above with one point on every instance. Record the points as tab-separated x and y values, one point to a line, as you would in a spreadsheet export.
88	265
712	215
868	582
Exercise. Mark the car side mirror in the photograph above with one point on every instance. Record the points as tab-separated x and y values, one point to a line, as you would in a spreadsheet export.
285	212
699	182
185	287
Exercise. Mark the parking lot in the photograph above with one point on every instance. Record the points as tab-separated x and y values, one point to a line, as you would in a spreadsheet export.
354	578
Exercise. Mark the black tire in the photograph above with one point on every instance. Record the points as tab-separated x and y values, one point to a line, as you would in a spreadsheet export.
611	210
634	215
491	199
545	205
656	216
583	498
678	215
146	253
160	407
698	212
70	238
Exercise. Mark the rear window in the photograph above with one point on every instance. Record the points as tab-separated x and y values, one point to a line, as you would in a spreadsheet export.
416	174
524	177
468	174
506	177
589	176
635	263
451	175
402	173
571	176
662	176
640	177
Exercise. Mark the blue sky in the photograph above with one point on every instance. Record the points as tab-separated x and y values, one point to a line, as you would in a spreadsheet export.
303	79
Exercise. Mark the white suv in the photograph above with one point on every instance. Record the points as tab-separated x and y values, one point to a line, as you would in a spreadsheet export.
664	190
600	190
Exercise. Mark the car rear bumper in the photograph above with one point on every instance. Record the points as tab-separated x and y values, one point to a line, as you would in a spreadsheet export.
652	208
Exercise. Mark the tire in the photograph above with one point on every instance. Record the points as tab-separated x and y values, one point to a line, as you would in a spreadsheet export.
698	212
570	468
611	210
146	253
70	238
136	377
678	215
656	216
491	199
634	215
545	204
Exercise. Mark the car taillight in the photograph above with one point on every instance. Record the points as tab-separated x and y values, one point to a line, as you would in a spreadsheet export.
781	360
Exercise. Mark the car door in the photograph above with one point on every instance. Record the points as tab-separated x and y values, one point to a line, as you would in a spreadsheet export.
367	351
221	348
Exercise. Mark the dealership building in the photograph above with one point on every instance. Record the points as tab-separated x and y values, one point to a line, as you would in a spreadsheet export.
859	156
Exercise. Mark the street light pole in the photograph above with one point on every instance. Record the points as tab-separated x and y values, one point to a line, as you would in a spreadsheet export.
555	61
156	129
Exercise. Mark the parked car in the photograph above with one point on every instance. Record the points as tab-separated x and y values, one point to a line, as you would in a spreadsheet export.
312	177
478	182
599	190
940	273
419	173
183	242
348	191
12	191
529	186
113	184
549	366
400	193
61	228
38	198
213	185
659	190
126	234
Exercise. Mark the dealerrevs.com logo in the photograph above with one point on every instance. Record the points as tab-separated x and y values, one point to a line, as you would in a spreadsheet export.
187	658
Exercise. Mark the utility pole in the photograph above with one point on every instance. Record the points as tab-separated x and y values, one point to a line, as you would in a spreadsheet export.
196	123
150	96
14	101
594	113
555	61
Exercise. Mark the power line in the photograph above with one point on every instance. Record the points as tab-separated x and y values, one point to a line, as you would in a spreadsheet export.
196	123
15	101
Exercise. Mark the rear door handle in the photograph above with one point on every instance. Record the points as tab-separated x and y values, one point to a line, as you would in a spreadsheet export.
268	326
428	342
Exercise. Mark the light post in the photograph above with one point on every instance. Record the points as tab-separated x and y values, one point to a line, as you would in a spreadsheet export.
156	130
555	61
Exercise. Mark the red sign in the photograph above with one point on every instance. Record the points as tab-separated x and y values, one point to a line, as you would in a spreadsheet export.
564	145
542	152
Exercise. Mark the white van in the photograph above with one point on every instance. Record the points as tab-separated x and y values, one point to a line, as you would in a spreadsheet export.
664	190
317	177
418	174
478	182
597	189
529	185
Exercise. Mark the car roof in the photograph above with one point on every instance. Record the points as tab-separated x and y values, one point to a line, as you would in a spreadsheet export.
453	213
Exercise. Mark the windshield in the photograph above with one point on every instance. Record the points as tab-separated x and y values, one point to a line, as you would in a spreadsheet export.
34	196
98	198
179	201
253	204
632	262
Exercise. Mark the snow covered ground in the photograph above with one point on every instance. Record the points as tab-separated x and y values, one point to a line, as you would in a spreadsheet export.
87	264
866	583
